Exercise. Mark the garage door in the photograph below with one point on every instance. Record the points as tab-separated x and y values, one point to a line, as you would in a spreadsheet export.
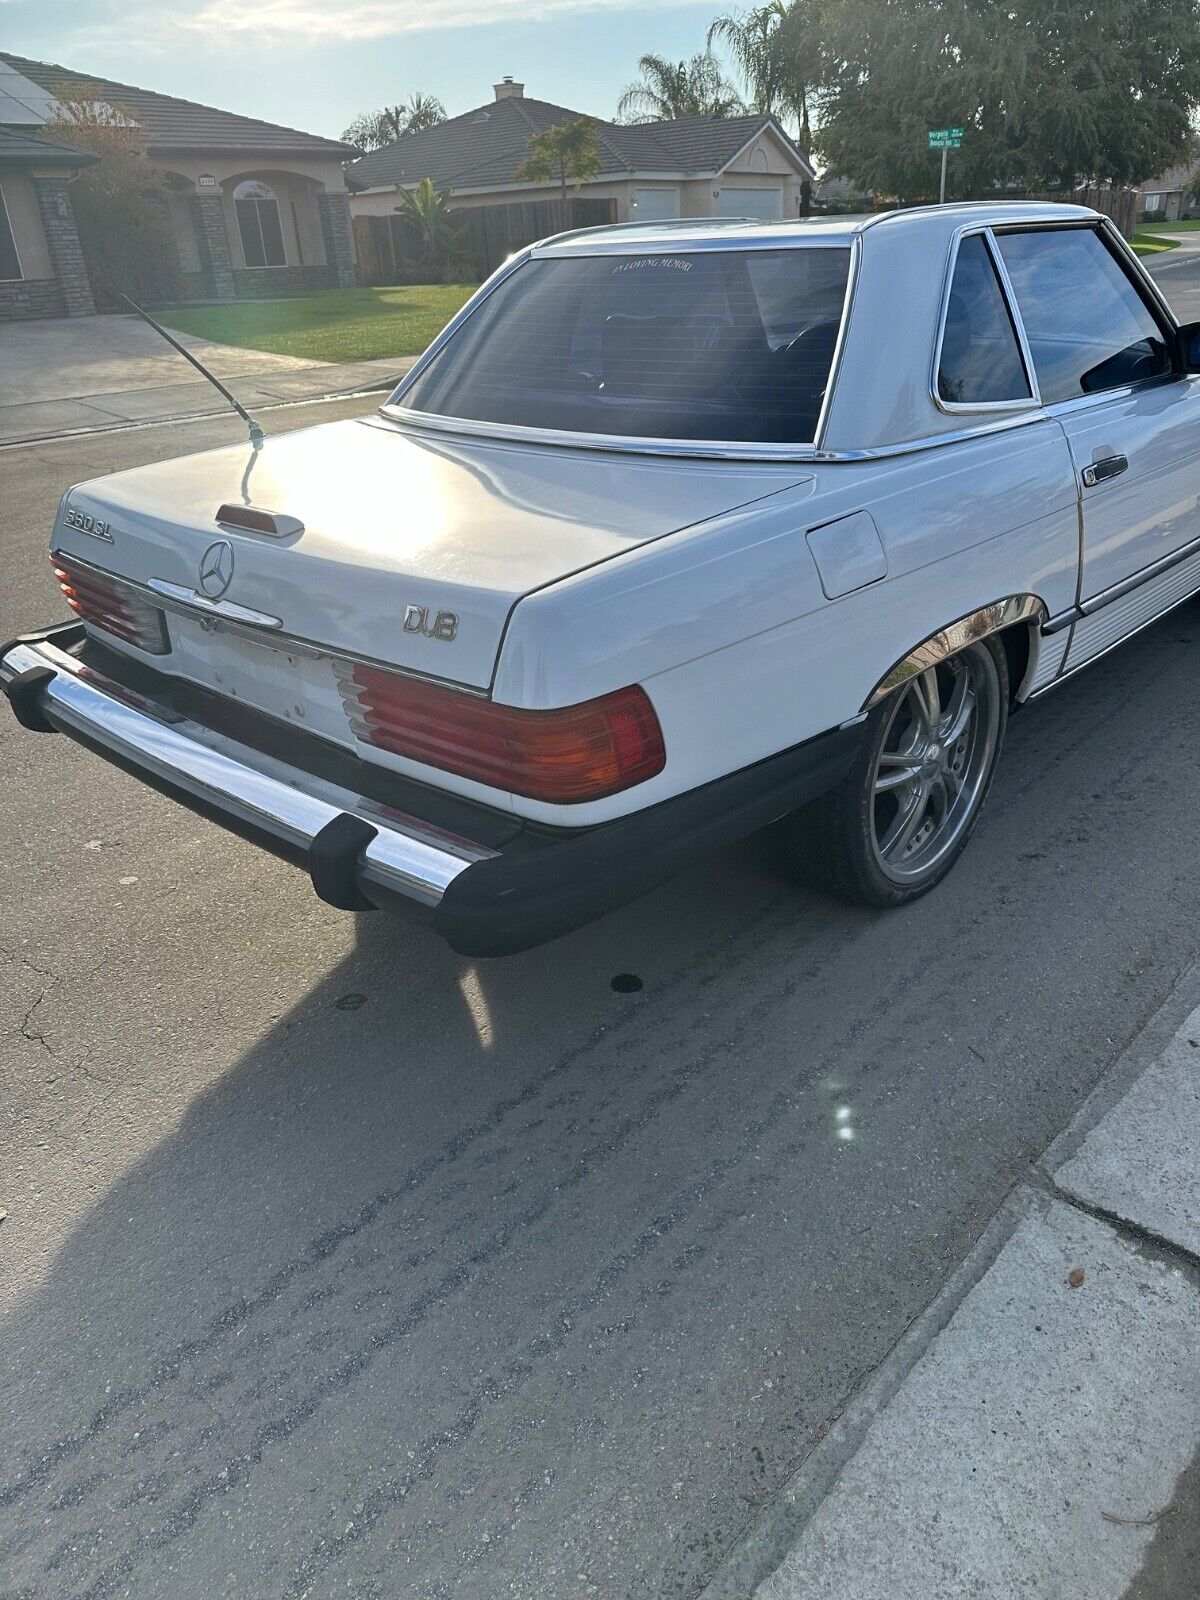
653	205
764	203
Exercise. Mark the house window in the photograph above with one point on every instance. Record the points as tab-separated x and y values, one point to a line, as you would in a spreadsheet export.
258	222
10	262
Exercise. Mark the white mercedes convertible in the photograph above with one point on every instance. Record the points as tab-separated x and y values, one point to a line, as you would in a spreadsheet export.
676	531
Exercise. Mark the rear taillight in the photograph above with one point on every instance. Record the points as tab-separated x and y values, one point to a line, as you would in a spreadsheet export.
107	603
579	753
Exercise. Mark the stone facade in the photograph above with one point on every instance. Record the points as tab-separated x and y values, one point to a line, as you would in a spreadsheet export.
37	297
339	239
254	283
212	243
66	252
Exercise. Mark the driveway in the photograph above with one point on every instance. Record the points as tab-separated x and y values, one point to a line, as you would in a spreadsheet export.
75	374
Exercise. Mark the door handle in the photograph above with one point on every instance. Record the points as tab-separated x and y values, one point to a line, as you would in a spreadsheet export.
1102	471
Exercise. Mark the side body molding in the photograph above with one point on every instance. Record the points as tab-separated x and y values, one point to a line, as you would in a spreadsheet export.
956	636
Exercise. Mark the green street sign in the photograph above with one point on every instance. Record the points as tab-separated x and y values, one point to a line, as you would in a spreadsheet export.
945	138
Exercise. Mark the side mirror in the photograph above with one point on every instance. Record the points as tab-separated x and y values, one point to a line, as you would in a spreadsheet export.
1187	344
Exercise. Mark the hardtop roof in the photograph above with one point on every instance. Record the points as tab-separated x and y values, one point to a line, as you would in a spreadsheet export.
740	233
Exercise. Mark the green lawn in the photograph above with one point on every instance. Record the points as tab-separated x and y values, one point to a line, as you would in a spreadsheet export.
1146	244
1169	227
335	325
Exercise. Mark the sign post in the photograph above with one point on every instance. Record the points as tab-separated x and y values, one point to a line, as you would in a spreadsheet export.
945	140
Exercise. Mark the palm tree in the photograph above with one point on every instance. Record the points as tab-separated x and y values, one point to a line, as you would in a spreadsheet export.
421	111
775	49
427	212
668	90
372	130
750	39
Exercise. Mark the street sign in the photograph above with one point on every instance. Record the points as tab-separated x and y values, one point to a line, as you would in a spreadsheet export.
945	138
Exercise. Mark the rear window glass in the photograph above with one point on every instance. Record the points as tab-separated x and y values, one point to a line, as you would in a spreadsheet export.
720	345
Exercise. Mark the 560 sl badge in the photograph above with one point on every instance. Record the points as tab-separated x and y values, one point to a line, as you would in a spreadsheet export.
442	625
86	523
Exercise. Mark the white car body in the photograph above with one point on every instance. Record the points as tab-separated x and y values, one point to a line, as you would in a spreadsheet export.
762	596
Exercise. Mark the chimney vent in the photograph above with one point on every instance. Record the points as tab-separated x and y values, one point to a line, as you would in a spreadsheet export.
509	89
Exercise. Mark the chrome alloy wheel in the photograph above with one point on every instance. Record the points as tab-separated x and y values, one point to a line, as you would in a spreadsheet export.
934	763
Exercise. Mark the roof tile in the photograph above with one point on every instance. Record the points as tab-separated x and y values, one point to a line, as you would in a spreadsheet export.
485	147
173	124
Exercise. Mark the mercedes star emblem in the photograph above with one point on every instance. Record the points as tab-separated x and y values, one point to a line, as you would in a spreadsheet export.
216	569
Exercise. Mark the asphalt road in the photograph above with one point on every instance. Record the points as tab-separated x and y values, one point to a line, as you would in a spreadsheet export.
336	1265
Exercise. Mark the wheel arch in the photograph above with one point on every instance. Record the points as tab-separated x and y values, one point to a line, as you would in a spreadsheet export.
1004	616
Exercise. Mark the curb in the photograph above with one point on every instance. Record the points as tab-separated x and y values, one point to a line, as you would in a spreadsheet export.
1036	1199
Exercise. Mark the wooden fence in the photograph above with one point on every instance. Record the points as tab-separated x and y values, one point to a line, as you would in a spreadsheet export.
1120	204
388	250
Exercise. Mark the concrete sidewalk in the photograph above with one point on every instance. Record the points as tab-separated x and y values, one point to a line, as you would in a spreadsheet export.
1037	1432
84	374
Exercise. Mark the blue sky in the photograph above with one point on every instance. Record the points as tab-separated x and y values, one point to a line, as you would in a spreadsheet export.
313	63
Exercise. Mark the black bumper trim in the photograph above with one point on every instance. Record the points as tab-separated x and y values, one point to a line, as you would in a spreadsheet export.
23	692
512	903
333	861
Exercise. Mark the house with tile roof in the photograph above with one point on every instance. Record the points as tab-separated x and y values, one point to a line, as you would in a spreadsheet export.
692	167
256	209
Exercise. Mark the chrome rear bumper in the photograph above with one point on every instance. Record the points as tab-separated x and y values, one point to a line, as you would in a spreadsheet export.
307	818
535	885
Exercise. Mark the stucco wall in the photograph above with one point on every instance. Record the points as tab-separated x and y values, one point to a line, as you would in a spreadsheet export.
25	219
296	182
323	170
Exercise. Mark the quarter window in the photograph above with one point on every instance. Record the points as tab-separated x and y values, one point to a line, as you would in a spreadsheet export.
1088	328
10	264
258	223
981	360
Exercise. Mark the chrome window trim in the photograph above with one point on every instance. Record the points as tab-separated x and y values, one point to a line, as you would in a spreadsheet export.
176	598
716	449
543	251
954	408
1089	402
806	455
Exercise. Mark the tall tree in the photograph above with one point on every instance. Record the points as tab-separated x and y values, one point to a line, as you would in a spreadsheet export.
667	90
566	152
371	130
776	50
1049	92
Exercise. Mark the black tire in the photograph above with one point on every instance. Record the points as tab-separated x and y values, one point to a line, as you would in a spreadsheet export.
835	842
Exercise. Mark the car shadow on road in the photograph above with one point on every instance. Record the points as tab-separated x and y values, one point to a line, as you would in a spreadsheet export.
455	1278
418	1136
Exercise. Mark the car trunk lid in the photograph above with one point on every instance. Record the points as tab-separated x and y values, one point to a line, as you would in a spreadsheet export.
404	548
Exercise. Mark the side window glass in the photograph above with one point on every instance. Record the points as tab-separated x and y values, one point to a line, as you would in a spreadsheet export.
1087	326
981	359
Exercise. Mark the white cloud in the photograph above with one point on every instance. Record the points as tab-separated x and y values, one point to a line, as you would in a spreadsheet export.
316	20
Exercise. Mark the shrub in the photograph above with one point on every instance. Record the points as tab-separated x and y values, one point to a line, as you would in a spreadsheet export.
121	204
